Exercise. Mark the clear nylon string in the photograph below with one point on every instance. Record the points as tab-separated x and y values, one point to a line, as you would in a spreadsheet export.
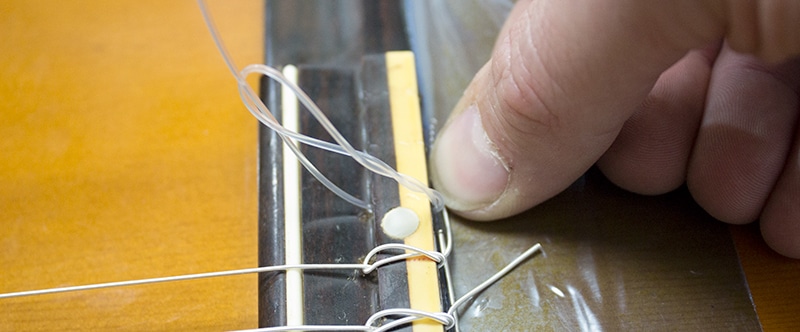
262	113
384	320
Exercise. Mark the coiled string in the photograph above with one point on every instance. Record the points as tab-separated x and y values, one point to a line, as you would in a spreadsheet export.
396	317
342	146
384	320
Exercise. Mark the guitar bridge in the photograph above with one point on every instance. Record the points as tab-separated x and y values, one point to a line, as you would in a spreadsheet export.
374	103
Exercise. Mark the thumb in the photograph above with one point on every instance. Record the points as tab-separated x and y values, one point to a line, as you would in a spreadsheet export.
563	78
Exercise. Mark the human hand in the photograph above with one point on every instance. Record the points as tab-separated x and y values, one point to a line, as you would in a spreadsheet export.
650	92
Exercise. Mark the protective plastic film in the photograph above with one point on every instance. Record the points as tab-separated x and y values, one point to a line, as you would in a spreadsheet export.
612	260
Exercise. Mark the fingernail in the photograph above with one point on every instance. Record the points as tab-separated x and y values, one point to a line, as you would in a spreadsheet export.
467	169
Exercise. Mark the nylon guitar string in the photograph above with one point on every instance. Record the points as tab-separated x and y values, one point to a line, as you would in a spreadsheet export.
262	113
384	320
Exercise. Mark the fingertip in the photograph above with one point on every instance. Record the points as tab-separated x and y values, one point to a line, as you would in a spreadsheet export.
651	153
782	233
466	167
562	81
780	218
744	139
642	183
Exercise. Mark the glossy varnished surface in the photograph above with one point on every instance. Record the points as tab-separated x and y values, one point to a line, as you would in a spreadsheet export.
774	280
125	153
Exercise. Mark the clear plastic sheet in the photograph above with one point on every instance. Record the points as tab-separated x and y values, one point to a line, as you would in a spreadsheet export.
451	39
612	260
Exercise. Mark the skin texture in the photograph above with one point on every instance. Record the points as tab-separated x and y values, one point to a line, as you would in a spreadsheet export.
657	93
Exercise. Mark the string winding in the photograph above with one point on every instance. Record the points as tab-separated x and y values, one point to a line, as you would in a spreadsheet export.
381	321
448	319
378	322
260	111
365	267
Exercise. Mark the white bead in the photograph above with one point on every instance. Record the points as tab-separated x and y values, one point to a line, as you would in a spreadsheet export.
400	222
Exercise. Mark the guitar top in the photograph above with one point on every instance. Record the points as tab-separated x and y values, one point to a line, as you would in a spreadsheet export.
127	154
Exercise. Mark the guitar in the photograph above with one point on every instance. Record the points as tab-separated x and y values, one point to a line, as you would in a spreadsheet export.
126	155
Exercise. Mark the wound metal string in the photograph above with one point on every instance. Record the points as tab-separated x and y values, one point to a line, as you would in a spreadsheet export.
384	320
448	319
365	268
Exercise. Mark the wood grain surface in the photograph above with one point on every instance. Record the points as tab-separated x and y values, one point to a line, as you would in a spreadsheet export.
774	280
126	154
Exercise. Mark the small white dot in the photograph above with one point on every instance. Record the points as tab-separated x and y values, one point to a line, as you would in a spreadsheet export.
400	222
